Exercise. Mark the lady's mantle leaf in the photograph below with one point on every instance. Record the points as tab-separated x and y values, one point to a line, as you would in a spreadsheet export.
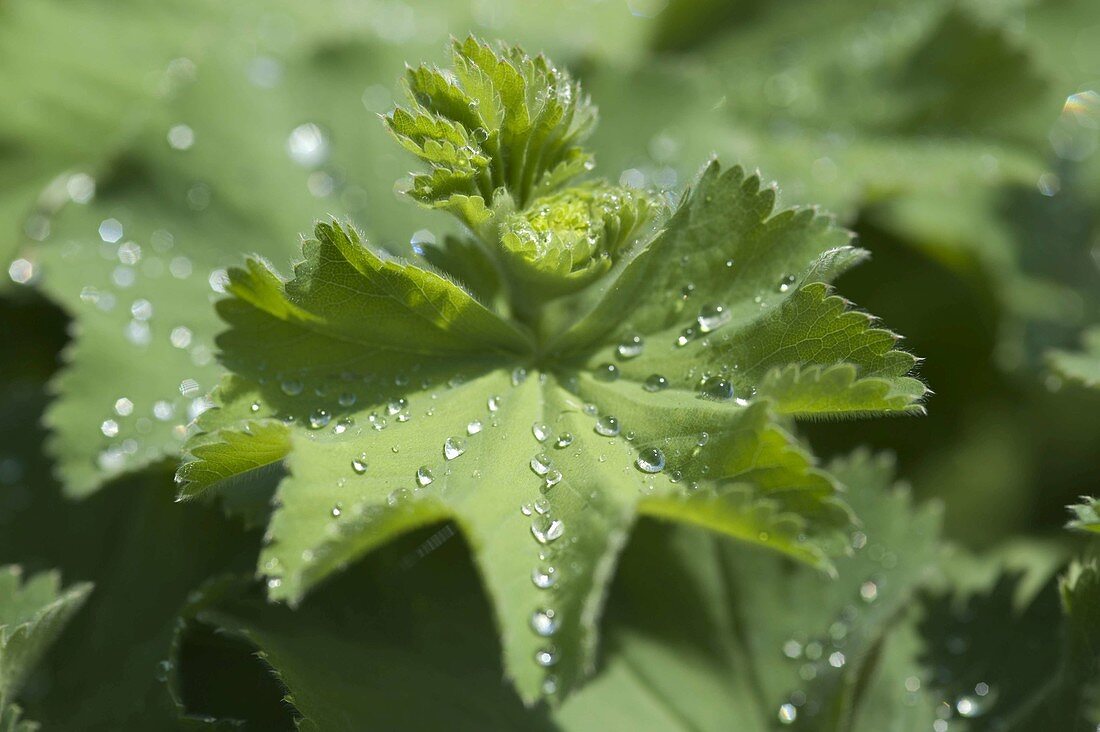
32	615
396	399
703	635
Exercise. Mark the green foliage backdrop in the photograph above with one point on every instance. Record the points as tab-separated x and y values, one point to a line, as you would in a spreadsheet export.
509	392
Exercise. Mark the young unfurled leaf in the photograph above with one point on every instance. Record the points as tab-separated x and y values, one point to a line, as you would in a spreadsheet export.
498	124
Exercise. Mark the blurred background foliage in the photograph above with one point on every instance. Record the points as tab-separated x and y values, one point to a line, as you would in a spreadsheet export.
958	139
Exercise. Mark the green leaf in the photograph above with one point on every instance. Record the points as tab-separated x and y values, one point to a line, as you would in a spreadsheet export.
880	117
1047	676
32	615
404	401
749	285
280	134
700	633
1086	515
143	552
1081	366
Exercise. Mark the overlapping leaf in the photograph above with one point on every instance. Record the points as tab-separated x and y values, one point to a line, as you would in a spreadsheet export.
32	615
703	634
1047	677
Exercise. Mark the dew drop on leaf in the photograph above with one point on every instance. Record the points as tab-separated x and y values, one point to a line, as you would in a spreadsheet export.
788	713
424	476
347	399
565	439
541	463
608	426
544	576
650	460
292	387
786	282
396	406
631	347
712	317
359	464
545	533
318	419
544	622
553	478
542	506
607	372
546	657
541	431
685	337
453	447
493	403
717	388
473	427
655	383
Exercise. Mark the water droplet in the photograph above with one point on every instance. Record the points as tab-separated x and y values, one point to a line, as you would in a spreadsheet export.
553	478
655	383
788	713
546	533
493	403
347	399
359	464
786	283
837	659
377	422
631	347
868	591
544	577
307	145
542	506
590	409
424	476
716	388
712	317
541	463
396	406
541	431
292	387
685	337
565	439
607	372
318	419
109	428
969	706
453	447
650	460
181	137
544	622
519	375
337	510
398	495
550	683
608	426
792	649
546	657
473	427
